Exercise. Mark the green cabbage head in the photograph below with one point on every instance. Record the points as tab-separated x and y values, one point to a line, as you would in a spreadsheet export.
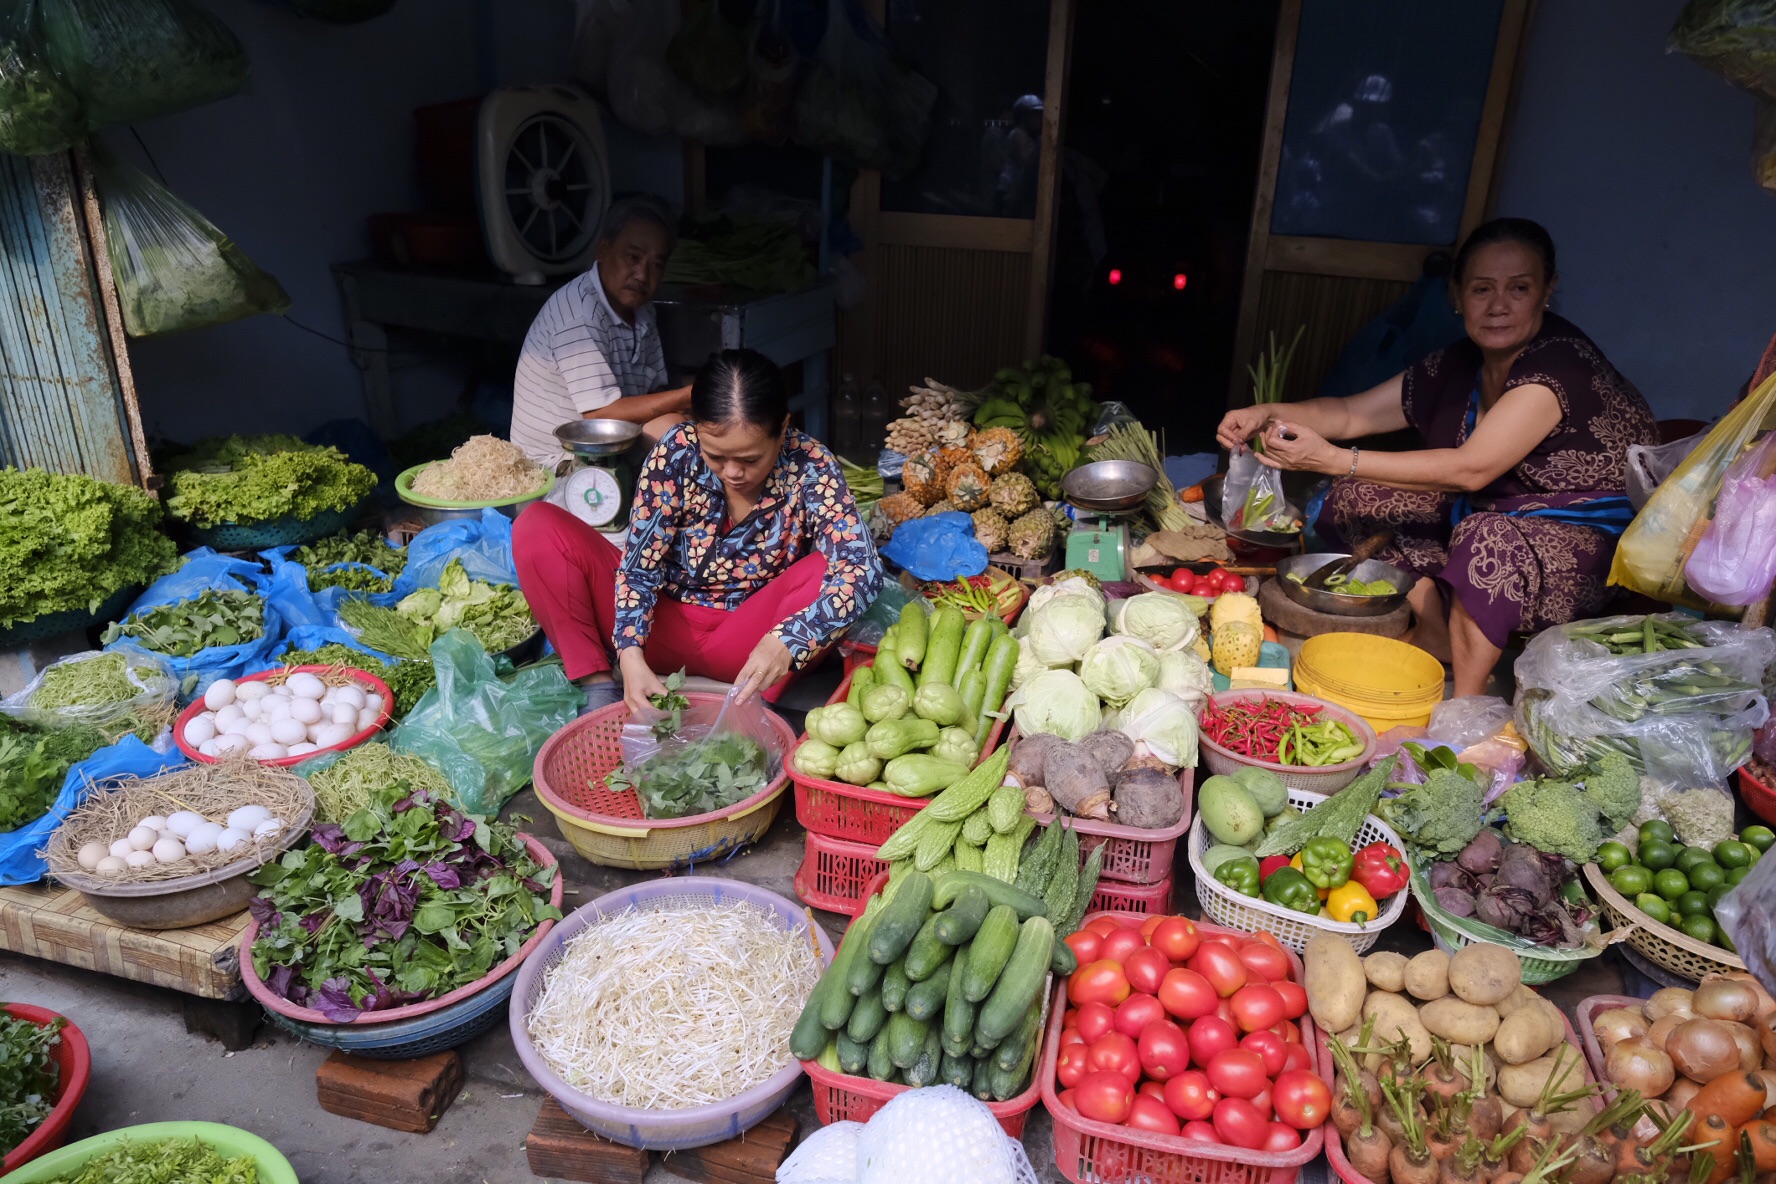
1117	669
1056	702
1161	619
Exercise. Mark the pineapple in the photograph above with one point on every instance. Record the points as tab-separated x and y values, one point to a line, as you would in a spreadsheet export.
1013	495
920	478
950	459
1032	535
1235	606
1237	643
991	529
946	506
998	450
900	507
954	434
968	487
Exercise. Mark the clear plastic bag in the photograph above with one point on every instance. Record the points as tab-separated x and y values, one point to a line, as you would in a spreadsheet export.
1252	497
1465	722
718	755
1744	913
39	112
856	104
1650	464
174	270
1735	561
483	731
130	60
153	675
1734	38
881	615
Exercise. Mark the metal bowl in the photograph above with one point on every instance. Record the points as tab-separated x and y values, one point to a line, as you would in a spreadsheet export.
598	437
1109	485
1340	603
1262	538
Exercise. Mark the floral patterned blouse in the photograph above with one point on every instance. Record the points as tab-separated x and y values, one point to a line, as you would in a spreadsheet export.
681	544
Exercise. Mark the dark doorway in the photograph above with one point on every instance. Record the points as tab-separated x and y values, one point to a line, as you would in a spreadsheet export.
1164	125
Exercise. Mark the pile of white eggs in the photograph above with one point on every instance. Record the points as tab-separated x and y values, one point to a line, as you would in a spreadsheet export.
155	839
301	716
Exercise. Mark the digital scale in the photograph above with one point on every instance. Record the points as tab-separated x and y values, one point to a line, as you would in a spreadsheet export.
1108	492
600	486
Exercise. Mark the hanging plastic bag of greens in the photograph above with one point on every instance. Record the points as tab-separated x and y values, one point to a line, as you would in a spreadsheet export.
173	269
341	12
39	112
132	59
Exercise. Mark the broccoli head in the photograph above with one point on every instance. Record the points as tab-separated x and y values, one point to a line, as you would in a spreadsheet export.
1553	816
1613	788
1442	816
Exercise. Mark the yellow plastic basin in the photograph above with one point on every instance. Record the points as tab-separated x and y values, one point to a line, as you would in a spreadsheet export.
1389	683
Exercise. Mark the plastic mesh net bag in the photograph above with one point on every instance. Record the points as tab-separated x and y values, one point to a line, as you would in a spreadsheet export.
828	1156
939	1135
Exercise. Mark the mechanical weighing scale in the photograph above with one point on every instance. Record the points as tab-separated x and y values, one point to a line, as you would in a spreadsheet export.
1108	492
598	489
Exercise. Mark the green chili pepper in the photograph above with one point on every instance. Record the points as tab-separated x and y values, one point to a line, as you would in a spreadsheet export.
1292	890
1327	861
1240	874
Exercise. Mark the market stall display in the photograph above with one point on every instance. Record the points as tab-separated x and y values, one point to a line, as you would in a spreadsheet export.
118	693
208	1151
1294	737
348	782
407	681
284	716
263	491
47	1066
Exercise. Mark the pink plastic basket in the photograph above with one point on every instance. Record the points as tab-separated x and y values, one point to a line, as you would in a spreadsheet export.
256	986
856	653
278	677
1326	779
1588	1010
1102	1153
1116	896
73	1059
834	874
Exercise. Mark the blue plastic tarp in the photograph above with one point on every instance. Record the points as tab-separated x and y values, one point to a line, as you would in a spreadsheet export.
19	861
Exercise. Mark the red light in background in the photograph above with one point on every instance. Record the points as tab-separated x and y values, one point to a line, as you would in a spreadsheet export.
1179	280
1116	275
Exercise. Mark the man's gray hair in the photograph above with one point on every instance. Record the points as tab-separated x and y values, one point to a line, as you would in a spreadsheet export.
639	207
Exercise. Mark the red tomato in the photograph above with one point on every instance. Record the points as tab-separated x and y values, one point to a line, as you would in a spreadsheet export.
1240	1124
1070	1018
1121	943
1209	1036
1095	1019
1190	1095
1294	998
1164	1050
1146	968
1256	1008
1278	1137
1183	580
1270	1046
1265	960
1221	966
1237	1073
1098	982
1104	1096
1288	1031
1175	937
1224	1010
1200	1131
1151	1089
1187	994
1066	1098
1149	925
1115	1053
1302	1099
1085	945
1296	1056
1071	1066
1135	1013
1262	1100
1150	1114
1104	926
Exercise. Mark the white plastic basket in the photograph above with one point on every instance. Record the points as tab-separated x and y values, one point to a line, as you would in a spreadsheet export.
1249	914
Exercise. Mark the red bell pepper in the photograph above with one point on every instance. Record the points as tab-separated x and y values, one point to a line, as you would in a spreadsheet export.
1269	864
1381	869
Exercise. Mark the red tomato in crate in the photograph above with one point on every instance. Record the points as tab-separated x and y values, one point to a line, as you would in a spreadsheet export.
1294	998
1066	1098
1176	938
1135	1013
1237	1073
1095	1019
1221	966
1070	1066
1296	1056
1279	1138
1104	926
1303	1100
1256	1008
1104	1096
1115	1053
1288	1031
1240	1124
1121	943
1183	580
1151	1089
1202	1132
1085	945
1262	1100
1265	960
1187	994
1070	1018
1271	1048
1209	1037
1149	925
1151	1114
1070	1037
1145	969
1098	982
1164	1050
1224	1011
1190	1095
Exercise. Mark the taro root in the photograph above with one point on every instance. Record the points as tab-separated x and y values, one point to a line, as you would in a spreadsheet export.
1029	758
1075	779
1110	749
1148	798
1038	801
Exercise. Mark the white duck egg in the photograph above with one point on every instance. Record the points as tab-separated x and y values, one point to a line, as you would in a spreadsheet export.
140	859
289	731
164	833
208	748
219	694
251	690
275	709
306	686
373	701
233	742
269	751
268	828
227	715
351	695
168	851
247	817
142	838
231	838
91	855
252	709
121	848
305	710
202	841
345	713
367	719
153	822
302	749
183	822
328	735
258	733
237	726
200	729
110	866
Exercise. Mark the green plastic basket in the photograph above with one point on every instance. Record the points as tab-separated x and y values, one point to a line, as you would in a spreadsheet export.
229	1140
277	532
510	505
1452	933
56	624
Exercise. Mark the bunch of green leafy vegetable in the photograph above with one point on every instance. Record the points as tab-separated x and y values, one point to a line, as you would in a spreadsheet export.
350	781
70	542
251	479
165	1161
28	1076
405	900
696	776
365	547
497	614
34	762
211	618
100	679
673	702
407	680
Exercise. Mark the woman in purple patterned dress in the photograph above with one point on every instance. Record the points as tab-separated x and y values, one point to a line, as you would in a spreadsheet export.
1510	513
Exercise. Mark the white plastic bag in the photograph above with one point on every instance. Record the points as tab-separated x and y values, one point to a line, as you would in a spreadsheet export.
828	1156
1735	560
1650	464
1465	722
939	1135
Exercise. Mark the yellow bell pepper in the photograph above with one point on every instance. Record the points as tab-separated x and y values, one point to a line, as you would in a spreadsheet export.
1351	902
1295	862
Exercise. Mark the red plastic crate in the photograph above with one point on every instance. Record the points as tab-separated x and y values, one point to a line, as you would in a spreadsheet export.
856	653
1115	896
1133	854
834	874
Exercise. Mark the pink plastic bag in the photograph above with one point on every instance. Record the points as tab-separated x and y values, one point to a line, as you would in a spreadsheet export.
1735	563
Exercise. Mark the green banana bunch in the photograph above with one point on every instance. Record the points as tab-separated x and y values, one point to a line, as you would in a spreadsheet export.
998	412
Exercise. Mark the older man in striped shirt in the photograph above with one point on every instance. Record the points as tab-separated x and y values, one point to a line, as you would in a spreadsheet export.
594	350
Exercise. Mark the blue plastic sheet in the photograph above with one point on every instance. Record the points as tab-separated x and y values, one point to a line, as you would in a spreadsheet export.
313	637
19	861
204	569
941	547
286	586
483	544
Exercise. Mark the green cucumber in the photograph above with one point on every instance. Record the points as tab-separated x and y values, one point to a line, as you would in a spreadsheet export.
894	987
1011	1049
958	923
867	1016
925	999
981	1086
1006	1084
853	1057
1063	961
1026	904
957	1070
958	1011
1019	983
906	1039
927	953
861	974
901	919
880	1065
809	1035
923	1071
993	945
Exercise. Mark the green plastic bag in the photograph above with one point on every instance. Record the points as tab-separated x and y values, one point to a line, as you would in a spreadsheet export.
39	112
482	730
129	60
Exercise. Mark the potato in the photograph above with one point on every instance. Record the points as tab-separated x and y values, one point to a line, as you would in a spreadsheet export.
1386	971
1458	1022
1334	981
1427	975
1484	974
1516	999
1522	1036
1521	1085
1556	1023
1395	1017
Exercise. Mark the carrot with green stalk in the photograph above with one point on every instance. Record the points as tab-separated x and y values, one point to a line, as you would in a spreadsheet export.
1410	1161
1649	1162
1593	1161
1487	1114
1365	1145
1539	1117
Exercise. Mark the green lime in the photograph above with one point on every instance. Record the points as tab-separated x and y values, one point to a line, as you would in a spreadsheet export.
1656	830
1724	941
1707	875
1612	855
1653	906
1761	837
1699	927
1715	894
1692	902
1689	857
1656	854
1671	883
1631	881
1731	853
1737	874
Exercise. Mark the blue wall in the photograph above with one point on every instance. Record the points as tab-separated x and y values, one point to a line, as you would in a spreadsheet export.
1638	162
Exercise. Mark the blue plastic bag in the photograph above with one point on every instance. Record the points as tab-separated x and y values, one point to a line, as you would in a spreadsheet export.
286	586
129	757
941	547
313	637
205	569
484	545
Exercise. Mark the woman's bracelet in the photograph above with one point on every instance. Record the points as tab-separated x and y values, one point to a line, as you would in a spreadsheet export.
1353	470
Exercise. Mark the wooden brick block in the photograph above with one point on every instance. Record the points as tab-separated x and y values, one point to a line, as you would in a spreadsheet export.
753	1158
402	1095
561	1148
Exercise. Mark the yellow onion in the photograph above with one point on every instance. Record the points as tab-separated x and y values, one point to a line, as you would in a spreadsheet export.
1660	1033
1703	1049
1751	1053
1619	1023
1766	1001
1682	1090
1670	1001
1636	1064
1766	1028
1721	998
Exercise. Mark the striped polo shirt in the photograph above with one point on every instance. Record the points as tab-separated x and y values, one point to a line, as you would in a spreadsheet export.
579	356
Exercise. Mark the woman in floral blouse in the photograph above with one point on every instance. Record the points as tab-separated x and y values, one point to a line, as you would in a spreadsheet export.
746	554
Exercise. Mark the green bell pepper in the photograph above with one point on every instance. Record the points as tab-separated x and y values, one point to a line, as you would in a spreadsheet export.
1292	890
1327	862
1239	873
